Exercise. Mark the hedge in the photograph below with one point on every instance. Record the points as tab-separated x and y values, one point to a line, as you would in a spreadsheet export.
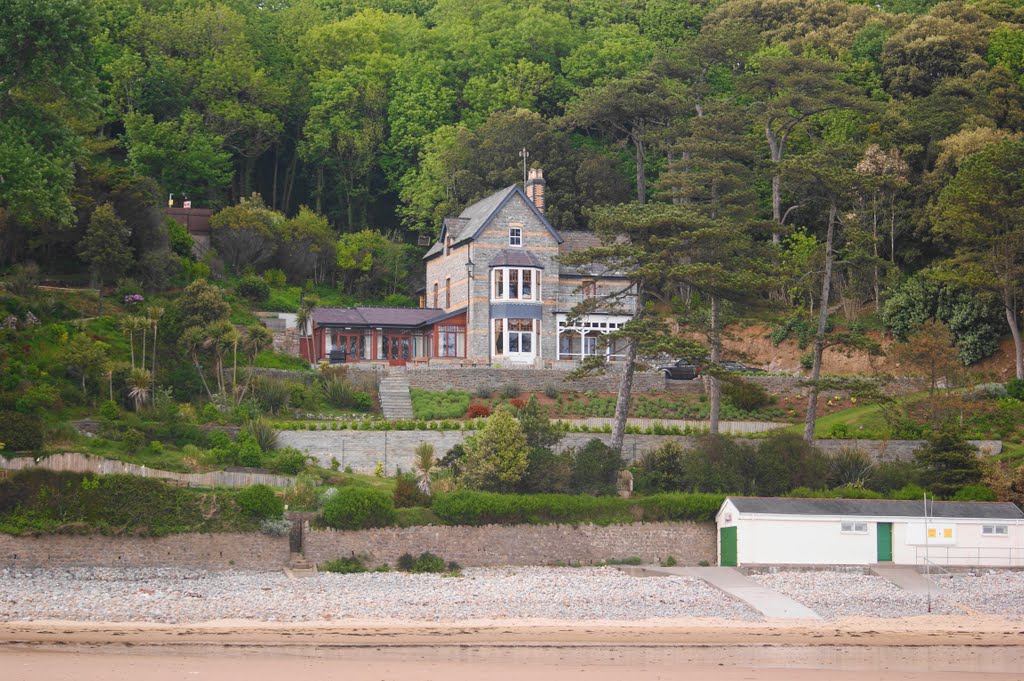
20	432
39	501
487	508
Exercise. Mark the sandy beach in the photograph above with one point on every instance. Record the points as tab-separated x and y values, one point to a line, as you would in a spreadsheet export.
155	624
963	647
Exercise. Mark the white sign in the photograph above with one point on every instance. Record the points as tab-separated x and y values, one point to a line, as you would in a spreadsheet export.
939	533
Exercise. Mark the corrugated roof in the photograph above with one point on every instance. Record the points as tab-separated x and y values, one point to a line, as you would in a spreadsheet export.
379	316
516	257
877	507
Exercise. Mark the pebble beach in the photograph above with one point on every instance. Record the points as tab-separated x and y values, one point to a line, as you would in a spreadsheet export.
184	596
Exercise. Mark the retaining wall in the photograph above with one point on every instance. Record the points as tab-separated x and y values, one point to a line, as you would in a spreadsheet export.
474	378
84	463
688	543
204	551
363	449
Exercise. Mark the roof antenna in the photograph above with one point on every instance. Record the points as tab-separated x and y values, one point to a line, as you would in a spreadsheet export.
525	155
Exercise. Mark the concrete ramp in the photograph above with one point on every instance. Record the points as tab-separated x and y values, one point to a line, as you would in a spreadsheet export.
909	579
771	604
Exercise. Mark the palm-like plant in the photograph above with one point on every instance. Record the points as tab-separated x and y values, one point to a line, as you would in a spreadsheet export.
130	325
140	385
424	463
192	340
155	314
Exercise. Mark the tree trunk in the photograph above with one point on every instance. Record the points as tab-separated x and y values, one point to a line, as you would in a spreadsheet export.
775	146
624	398
641	173
1011	320
625	395
819	338
714	386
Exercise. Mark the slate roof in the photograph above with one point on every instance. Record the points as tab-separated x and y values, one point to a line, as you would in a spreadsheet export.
476	216
379	316
877	507
579	241
516	257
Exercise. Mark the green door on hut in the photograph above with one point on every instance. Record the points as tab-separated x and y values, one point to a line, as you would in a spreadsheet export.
884	542
727	539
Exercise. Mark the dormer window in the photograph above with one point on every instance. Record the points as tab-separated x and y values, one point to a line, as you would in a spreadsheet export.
515	236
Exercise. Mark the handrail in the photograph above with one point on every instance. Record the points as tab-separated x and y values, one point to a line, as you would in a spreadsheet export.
969	556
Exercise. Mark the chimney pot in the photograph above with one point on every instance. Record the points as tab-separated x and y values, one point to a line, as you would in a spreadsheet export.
535	188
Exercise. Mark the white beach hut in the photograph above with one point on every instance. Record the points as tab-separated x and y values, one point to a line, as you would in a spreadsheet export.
779	531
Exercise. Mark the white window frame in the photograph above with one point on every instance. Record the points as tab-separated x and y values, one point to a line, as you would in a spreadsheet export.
995	530
501	325
853	527
515	236
506	291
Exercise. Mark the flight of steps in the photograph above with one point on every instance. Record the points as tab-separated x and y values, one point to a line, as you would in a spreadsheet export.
394	397
298	566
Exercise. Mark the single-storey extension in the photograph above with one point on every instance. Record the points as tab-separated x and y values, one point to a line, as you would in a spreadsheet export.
778	531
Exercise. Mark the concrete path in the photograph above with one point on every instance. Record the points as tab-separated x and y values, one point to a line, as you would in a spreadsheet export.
909	579
771	604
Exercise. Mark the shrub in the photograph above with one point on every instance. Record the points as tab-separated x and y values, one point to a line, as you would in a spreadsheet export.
745	395
337	391
434	404
20	432
275	278
270	394
989	391
405	562
850	467
254	288
356	508
288	461
910	492
428	562
259	501
276	527
595	468
344	566
264	434
484	392
407	494
510	390
976	492
1015	388
24	280
477	411
133	439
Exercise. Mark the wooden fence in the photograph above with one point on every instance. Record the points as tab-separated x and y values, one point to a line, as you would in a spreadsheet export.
84	463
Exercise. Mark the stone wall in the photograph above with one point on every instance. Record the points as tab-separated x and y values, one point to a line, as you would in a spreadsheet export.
528	379
688	543
363	449
204	551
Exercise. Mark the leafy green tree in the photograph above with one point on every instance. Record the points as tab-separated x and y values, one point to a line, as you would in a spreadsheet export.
201	303
306	247
85	358
948	462
182	154
105	245
370	262
595	468
245	235
496	457
981	213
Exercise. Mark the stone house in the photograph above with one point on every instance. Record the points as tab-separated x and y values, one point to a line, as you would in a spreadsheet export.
495	294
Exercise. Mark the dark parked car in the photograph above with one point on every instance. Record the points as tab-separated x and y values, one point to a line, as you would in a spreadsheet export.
683	370
690	369
729	365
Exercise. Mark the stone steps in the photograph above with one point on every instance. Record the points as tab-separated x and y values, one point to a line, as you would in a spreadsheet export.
395	402
298	566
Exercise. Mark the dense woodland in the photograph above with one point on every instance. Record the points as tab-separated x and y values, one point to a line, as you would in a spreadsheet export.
739	158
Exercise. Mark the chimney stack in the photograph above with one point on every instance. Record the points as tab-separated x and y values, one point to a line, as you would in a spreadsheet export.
535	188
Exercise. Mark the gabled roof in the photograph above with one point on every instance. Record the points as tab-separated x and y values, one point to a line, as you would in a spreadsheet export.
578	240
475	218
877	507
380	316
516	257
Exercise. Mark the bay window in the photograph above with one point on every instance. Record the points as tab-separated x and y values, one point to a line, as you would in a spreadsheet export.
515	283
